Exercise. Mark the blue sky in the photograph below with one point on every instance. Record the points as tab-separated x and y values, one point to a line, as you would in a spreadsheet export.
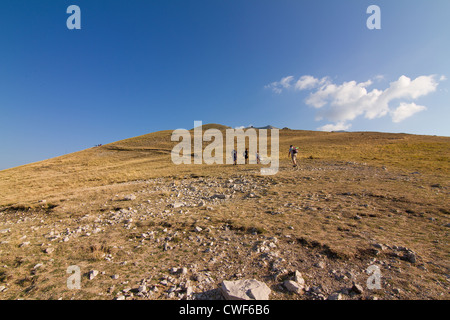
141	66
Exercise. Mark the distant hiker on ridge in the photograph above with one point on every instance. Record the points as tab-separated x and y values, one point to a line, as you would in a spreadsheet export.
293	151
258	159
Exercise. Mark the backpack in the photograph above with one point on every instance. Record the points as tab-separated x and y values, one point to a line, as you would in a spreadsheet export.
294	150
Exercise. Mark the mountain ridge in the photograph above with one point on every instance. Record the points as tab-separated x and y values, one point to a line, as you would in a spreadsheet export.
149	156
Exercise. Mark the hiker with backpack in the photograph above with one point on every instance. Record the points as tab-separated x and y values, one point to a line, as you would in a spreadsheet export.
293	151
234	154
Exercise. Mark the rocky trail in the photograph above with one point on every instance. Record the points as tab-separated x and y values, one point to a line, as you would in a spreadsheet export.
323	232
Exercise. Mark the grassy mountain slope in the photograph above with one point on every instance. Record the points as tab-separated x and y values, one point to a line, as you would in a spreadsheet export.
125	210
148	156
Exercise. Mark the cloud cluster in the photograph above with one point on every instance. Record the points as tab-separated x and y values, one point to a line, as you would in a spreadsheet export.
342	103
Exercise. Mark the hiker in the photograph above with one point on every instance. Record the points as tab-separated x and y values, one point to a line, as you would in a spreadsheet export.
258	159
246	155
234	154
293	151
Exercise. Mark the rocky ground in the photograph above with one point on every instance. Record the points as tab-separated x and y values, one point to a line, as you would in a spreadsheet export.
324	231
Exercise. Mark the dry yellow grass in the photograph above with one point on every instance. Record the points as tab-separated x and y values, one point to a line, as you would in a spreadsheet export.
148	156
353	190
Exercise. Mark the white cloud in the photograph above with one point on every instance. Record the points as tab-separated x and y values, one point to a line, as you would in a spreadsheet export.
335	127
278	86
405	110
341	103
286	82
303	83
309	82
407	89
